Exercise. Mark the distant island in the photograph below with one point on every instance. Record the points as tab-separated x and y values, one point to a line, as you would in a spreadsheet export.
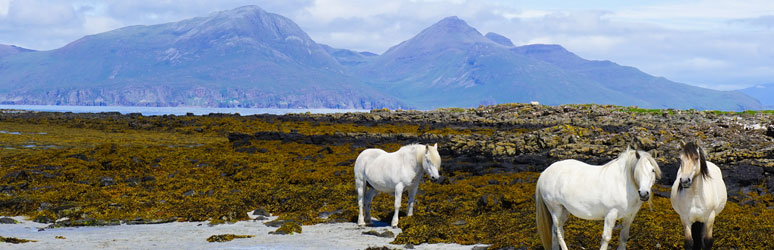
247	57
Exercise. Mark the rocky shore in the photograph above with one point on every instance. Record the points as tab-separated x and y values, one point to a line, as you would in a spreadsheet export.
70	170
528	138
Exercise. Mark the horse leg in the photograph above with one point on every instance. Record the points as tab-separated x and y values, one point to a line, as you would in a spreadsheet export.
369	198
627	223
688	235
607	231
398	193
360	186
708	240
559	215
412	193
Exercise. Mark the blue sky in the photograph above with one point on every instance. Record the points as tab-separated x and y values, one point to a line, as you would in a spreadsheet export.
709	43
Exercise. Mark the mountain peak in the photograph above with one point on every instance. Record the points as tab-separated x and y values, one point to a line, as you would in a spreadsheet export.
452	21
452	24
7	50
450	32
248	10
500	39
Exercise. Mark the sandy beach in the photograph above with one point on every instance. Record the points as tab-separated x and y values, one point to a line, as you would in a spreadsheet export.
193	235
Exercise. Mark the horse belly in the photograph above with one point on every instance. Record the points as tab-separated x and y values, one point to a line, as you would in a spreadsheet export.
587	212
380	182
382	187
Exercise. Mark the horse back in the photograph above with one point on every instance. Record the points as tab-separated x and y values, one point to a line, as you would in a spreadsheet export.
561	169
366	157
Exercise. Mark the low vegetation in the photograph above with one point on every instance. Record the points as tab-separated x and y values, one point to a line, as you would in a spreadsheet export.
102	169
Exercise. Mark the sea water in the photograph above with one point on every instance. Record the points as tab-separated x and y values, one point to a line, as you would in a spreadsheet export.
149	111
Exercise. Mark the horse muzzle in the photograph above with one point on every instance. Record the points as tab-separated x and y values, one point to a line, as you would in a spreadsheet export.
644	196
685	183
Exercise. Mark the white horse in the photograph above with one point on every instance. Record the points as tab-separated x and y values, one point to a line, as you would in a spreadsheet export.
392	173
698	195
609	192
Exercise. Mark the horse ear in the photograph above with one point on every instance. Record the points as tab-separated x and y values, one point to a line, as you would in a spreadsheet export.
637	154
427	147
682	143
436	145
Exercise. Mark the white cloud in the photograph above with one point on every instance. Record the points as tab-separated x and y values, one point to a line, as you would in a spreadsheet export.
39	13
597	44
700	9
766	21
327	10
98	24
4	5
525	14
702	63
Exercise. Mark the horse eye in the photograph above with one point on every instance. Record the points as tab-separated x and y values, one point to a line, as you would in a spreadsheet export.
653	171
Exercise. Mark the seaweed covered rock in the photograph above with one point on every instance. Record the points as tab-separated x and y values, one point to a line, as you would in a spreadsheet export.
227	237
7	220
84	223
289	227
13	240
384	233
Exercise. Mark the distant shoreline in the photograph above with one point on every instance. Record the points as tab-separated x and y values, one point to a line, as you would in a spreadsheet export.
148	111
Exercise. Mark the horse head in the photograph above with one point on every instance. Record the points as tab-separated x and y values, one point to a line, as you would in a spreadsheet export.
693	163
432	161
646	172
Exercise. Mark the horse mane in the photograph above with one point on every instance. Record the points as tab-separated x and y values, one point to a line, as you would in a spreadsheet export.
652	162
625	155
628	164
694	152
631	162
419	149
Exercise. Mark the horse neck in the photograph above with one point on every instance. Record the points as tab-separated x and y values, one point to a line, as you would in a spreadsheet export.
698	185
414	154
420	151
627	164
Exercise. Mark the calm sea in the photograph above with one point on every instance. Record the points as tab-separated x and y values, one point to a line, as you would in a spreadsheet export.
148	111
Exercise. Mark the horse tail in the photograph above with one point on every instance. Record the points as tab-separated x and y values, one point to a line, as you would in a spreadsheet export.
543	218
697	233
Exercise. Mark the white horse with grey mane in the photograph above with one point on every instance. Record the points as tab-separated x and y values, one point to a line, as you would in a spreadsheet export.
392	173
613	191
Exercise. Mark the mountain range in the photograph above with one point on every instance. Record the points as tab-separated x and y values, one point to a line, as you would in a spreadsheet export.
762	92
244	57
247	57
